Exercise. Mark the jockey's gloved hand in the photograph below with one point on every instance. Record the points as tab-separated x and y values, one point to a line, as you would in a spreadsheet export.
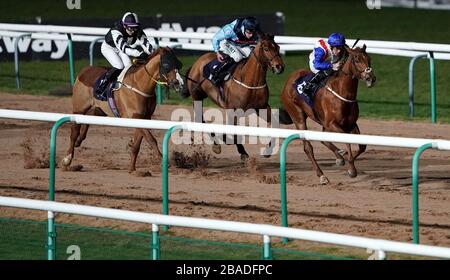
337	65
133	52
143	56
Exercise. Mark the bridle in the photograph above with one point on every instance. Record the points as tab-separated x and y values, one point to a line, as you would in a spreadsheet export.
359	72
269	60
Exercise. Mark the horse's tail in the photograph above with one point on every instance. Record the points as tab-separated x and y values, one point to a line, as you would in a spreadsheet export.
185	93
284	117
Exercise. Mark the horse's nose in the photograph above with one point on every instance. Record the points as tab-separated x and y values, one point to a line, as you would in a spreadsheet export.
279	68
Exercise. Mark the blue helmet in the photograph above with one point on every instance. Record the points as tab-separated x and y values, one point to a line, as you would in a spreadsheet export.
336	40
250	23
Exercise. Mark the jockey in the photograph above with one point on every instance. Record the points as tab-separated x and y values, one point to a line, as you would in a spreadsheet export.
325	59
234	42
126	38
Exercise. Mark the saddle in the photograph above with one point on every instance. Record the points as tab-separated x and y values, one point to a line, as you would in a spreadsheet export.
208	69
301	82
108	94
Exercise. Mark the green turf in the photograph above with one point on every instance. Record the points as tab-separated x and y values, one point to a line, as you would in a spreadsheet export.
26	240
388	99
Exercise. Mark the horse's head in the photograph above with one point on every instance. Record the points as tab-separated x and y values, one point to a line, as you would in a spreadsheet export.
361	66
268	53
168	69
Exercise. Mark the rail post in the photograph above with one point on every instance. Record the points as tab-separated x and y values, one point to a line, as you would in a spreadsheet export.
284	218
71	64
91	50
432	85
51	231
165	170
16	57
415	189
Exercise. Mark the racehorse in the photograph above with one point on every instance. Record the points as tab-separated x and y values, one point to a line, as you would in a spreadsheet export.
335	106
247	87
134	99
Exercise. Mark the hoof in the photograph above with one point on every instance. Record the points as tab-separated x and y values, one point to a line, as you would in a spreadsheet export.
217	148
340	162
267	153
351	173
244	157
77	144
67	160
342	152
324	180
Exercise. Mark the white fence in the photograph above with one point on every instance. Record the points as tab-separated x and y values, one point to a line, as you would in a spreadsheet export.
378	245
190	40
231	129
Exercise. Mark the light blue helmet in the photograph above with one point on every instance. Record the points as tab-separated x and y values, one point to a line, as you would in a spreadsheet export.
336	40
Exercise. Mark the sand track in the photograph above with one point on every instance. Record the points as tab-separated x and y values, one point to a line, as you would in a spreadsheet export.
377	203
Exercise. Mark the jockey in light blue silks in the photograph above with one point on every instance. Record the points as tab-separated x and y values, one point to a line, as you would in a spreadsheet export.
234	42
325	59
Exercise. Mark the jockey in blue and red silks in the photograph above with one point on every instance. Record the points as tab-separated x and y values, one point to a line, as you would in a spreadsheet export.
325	59
234	42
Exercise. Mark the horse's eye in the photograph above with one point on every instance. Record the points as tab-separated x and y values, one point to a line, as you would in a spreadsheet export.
266	49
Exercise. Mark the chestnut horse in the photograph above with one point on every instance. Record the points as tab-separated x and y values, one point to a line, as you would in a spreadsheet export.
134	99
335	106
246	89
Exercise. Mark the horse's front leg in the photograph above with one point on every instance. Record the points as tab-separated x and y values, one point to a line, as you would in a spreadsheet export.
351	171
340	161
361	148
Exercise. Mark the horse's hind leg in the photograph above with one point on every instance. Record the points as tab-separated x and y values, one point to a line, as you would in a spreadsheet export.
137	140
299	119
268	150
82	136
74	133
85	127
198	117
151	141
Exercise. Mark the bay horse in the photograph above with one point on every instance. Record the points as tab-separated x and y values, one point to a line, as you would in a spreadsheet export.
335	106
135	99
246	89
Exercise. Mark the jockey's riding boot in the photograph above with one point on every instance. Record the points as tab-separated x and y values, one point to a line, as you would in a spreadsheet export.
110	76
220	70
317	79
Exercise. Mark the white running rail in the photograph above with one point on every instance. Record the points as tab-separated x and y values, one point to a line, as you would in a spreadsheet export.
378	245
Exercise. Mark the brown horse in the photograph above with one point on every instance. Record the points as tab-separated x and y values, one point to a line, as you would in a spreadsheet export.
335	106
134	99
247	87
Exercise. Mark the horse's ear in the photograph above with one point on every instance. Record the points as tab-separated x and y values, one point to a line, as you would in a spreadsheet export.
364	48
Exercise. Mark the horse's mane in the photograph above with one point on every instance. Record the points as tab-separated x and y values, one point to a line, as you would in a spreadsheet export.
136	67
